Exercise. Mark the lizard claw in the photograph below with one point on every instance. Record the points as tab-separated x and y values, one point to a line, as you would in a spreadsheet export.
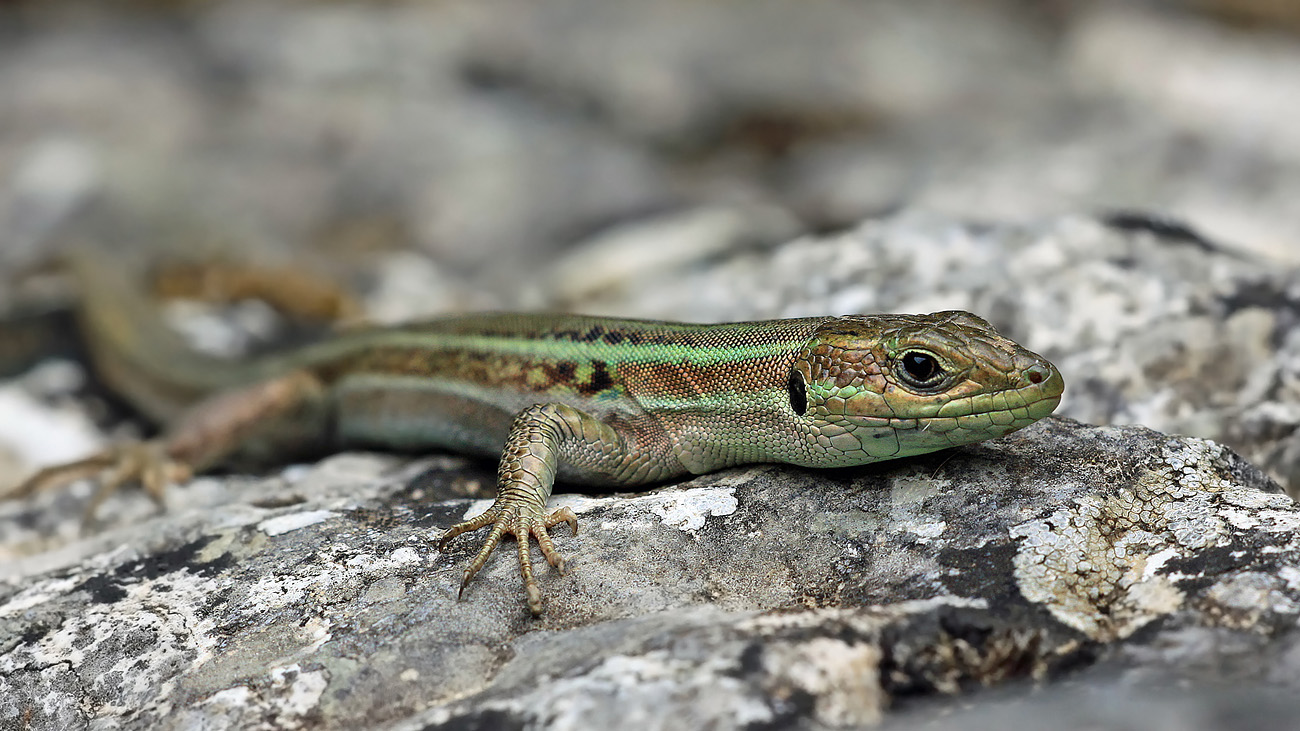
522	523
143	463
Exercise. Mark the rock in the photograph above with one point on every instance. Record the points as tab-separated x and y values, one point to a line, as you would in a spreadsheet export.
1096	703
1143	110
766	595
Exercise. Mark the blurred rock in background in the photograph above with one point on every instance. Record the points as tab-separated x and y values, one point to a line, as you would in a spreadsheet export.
489	135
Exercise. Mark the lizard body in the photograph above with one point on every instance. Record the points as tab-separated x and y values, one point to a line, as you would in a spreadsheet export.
589	400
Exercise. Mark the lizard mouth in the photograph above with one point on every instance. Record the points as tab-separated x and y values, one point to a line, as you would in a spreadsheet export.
1030	404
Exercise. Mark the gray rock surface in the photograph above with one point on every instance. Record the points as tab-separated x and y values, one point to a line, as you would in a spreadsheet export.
751	597
1097	703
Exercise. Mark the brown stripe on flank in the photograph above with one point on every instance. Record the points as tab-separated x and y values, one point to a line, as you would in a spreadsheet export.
490	370
588	378
685	381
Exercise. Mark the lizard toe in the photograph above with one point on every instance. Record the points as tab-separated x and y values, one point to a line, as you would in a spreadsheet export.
524	524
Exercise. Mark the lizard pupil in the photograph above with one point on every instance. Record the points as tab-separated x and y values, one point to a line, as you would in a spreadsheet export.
798	396
922	368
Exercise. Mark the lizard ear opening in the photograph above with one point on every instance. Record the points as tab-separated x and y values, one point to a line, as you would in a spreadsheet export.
798	394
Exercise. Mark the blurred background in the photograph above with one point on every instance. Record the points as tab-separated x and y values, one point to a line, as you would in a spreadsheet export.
488	136
615	156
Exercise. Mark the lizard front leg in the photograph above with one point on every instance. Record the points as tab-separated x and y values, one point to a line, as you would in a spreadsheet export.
541	437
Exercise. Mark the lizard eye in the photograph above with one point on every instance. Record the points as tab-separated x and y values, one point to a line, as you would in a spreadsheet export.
920	369
798	396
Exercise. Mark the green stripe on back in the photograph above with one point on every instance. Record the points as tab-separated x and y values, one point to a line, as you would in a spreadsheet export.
579	338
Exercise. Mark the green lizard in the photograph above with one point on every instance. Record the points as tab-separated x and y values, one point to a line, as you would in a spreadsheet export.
585	400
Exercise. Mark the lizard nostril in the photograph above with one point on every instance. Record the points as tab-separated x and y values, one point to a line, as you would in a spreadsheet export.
1036	375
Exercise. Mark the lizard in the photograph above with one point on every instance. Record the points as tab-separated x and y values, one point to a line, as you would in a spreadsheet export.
580	399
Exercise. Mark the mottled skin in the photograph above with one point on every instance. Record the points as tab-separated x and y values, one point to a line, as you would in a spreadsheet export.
591	400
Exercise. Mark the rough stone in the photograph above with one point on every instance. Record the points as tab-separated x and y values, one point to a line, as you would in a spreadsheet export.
766	595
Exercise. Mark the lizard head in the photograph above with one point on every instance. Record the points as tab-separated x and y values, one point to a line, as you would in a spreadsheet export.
877	387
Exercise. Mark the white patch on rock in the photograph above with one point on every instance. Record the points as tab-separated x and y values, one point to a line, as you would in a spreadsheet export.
317	631
230	698
640	686
907	498
921	606
1155	561
477	508
38	594
41	435
1291	575
294	521
1240	600
1097	565
686	510
404	555
926	532
304	689
843	677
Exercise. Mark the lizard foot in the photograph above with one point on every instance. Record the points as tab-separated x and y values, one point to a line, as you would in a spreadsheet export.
144	463
521	522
